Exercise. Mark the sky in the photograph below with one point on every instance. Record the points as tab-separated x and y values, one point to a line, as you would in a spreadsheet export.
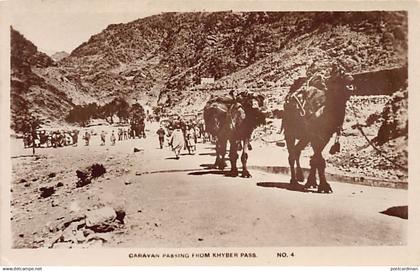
54	25
62	25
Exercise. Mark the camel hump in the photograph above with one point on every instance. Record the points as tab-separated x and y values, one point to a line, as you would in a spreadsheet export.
318	81
315	100
222	99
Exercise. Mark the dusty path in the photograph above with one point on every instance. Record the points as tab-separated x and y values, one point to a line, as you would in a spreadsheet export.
180	203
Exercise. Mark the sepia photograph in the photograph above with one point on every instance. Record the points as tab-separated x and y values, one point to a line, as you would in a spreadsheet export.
141	128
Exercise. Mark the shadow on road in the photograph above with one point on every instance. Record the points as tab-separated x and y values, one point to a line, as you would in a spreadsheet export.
214	172
208	153
286	186
398	211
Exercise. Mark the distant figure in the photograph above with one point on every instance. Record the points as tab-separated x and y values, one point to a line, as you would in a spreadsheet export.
75	136
177	141
191	146
113	138
102	138
161	134
87	138
125	134
120	134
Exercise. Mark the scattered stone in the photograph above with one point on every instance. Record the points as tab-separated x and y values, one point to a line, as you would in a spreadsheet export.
59	184
46	191
22	181
80	237
54	203
200	239
120	215
136	150
52	175
85	176
101	220
27	184
104	237
87	232
127	182
21	235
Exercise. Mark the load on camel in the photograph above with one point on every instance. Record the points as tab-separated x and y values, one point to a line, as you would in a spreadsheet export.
312	114
233	119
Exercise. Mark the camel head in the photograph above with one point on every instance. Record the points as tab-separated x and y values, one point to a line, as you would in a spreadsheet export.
251	100
340	80
254	106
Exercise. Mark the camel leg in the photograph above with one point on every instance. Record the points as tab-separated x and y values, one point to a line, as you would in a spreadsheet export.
290	143
324	186
233	157
244	160
222	149
311	182
217	162
220	155
298	150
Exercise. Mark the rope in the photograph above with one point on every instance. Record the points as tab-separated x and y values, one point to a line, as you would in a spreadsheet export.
359	127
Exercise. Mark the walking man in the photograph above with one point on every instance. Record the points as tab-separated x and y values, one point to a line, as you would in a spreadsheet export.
177	141
102	138
113	138
161	134
87	138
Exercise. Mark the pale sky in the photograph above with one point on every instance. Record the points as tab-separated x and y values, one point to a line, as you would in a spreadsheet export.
54	25
62	25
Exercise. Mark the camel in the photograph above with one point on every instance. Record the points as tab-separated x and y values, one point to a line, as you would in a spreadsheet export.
314	119
233	119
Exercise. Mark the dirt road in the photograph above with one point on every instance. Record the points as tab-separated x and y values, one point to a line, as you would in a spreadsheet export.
180	203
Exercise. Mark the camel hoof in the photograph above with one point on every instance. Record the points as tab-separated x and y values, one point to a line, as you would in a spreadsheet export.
310	185
246	174
233	173
325	188
221	166
299	177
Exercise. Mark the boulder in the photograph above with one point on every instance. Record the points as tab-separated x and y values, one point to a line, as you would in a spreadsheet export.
101	220
47	191
86	175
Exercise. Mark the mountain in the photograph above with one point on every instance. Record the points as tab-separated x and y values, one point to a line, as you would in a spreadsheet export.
161	59
57	56
30	93
169	53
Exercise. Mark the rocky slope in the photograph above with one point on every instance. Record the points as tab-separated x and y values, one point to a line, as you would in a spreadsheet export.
160	59
59	55
162	56
30	92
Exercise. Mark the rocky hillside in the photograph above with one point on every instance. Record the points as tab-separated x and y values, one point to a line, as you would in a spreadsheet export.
164	55
160	59
59	55
30	93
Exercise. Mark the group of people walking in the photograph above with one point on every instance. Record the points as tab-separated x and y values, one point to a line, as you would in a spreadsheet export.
181	136
50	139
